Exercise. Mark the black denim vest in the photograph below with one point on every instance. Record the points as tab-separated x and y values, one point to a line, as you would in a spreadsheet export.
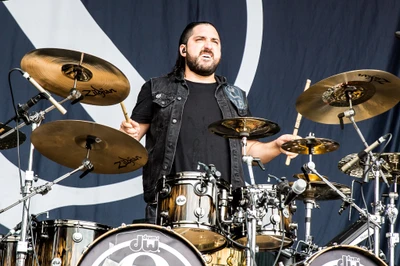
169	98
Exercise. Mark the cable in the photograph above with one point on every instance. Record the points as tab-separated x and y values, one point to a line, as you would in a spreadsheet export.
283	230
17	122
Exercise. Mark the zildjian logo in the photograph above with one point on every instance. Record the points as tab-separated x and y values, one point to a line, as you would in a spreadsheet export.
124	162
95	92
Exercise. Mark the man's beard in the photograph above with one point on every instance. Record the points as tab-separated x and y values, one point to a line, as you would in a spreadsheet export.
194	65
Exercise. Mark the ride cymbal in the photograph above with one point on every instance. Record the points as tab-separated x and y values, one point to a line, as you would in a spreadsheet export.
310	145
372	92
100	82
11	141
112	151
389	162
239	127
318	190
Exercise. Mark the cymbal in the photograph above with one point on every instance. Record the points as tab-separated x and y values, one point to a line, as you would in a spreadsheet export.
318	190
100	82
113	151
10	141
372	91
390	166
250	127
310	145
312	177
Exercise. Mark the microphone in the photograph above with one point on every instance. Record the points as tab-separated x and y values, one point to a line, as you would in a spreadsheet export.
31	102
362	154
397	34
46	93
297	188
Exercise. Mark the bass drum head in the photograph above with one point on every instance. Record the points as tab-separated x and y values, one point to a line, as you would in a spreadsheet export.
141	245
344	255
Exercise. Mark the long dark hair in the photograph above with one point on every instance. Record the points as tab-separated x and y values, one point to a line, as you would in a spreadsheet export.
179	67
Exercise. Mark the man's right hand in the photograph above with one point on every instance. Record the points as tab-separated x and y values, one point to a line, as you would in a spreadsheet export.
132	128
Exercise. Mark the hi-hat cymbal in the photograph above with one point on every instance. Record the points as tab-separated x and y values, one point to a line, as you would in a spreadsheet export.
11	141
310	145
372	91
113	152
318	190
100	82
390	166
239	127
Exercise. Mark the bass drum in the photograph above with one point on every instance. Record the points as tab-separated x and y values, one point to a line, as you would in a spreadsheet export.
141	245
343	255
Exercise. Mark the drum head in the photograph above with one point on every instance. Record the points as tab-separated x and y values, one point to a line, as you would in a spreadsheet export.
344	255
141	245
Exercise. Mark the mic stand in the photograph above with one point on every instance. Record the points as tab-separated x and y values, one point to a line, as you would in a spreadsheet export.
74	95
391	213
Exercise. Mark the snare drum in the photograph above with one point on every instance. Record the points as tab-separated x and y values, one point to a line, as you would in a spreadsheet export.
141	244
186	203
62	242
343	255
275	224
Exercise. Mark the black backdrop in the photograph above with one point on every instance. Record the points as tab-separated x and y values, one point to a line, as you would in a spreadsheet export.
270	48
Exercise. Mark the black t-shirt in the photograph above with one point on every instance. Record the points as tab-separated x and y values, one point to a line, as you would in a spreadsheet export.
195	142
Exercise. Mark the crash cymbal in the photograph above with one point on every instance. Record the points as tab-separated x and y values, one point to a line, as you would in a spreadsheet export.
390	166
310	145
100	82
250	127
113	151
372	91
11	141
318	190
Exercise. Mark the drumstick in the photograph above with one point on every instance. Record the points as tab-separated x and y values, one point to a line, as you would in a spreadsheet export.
298	119
124	111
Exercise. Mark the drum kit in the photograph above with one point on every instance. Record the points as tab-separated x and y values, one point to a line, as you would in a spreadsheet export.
200	219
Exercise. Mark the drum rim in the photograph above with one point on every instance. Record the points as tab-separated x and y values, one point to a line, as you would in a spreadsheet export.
139	226
181	175
325	249
73	223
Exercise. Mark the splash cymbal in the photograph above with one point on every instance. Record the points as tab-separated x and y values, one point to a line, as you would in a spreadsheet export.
250	127
372	91
100	82
11	141
390	166
113	152
310	145
318	190
311	177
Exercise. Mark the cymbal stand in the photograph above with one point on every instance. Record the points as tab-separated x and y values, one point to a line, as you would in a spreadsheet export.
391	213
372	218
252	211
378	207
29	192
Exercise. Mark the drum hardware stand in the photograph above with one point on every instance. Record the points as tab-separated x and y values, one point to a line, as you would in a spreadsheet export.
28	192
391	213
372	218
75	96
378	208
252	211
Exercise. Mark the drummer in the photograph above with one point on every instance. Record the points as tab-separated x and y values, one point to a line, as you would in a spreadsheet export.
174	112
